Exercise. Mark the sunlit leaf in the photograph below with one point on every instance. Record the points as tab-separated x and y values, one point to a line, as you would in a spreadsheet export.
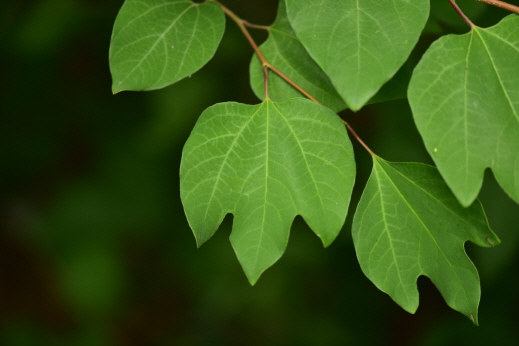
407	224
266	164
360	44
158	42
465	101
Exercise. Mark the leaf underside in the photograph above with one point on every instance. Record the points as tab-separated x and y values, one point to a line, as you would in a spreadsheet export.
465	103
408	223
158	42
266	164
360	44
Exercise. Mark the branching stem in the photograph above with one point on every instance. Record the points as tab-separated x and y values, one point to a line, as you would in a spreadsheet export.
462	15
243	24
502	4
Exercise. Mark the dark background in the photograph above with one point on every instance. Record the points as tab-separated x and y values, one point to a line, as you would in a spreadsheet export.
95	248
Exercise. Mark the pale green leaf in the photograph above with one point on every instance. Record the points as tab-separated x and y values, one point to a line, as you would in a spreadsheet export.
408	223
266	164
360	44
158	42
285	52
465	100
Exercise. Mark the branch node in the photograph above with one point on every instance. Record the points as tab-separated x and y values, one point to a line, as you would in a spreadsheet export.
461	14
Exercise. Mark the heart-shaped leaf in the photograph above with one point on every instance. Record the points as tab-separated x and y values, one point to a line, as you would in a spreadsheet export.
266	164
360	44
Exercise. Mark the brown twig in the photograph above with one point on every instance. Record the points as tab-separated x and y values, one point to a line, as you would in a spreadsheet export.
502	4
461	14
358	138
242	25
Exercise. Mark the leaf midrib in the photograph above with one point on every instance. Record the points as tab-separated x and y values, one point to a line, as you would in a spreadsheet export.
231	147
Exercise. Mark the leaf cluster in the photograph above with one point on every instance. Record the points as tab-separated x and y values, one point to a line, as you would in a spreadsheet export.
289	156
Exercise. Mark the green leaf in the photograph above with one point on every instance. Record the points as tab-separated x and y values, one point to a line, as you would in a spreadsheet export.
158	42
285	52
360	44
465	103
408	224
266	164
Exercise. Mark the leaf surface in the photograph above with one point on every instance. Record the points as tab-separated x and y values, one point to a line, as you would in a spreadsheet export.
266	164
407	224
360	44
285	52
465	101
158	42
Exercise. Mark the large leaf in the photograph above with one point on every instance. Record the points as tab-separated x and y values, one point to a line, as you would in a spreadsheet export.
158	42
284	51
360	44
407	224
266	164
465	101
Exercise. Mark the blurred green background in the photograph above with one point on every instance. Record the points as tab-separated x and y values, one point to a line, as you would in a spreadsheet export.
94	245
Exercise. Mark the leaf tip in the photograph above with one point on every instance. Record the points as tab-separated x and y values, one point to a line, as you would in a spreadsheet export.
253	277
116	89
473	319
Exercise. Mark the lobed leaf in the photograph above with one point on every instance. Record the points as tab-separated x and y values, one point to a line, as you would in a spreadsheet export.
266	164
408	224
158	42
360	44
465	103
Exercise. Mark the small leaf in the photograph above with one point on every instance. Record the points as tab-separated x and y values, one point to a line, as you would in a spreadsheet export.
408	224
158	42
266	164
284	51
465	103
360	44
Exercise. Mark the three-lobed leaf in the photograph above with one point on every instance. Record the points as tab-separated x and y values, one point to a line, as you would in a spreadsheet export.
360	44
465	102
408	223
266	164
158	42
